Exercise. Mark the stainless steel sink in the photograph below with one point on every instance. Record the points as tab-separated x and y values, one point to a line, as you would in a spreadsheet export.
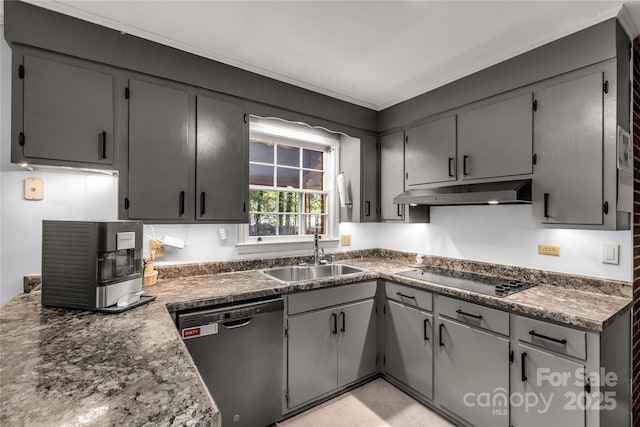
296	273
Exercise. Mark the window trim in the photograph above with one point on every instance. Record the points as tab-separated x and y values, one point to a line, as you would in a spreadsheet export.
249	244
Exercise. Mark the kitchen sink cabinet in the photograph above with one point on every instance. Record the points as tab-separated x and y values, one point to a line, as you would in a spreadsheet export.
430	152
222	147
391	175
568	132
65	112
470	365
408	347
331	347
496	140
161	144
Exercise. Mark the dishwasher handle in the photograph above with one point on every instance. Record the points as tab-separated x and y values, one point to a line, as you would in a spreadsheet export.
238	323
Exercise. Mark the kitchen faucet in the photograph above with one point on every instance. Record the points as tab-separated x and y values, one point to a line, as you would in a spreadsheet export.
316	236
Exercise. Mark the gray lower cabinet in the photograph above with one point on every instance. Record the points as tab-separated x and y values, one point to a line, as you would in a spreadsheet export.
496	140
471	366
222	162
391	175
408	347
568	141
312	348
68	113
328	349
160	143
545	390
430	152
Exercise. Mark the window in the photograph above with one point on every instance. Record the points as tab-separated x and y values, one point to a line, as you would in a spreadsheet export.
291	176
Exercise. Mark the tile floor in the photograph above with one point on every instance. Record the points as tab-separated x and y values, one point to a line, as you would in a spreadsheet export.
375	404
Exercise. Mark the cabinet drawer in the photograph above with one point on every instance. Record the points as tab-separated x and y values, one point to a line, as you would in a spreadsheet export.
474	314
560	339
320	298
409	295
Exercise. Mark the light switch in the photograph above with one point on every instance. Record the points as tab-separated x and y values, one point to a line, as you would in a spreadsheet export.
33	189
610	254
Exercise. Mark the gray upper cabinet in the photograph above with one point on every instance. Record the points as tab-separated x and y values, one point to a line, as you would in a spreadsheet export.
359	163
496	140
159	153
430	152
68	113
222	189
370	204
568	141
391	175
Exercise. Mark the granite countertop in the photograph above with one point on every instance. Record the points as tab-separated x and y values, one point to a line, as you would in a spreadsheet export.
69	367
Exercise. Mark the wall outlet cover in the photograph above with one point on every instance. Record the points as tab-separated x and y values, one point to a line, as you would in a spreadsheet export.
345	239
33	189
611	254
552	250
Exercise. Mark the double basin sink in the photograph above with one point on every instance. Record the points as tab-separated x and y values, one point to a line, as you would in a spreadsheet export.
293	274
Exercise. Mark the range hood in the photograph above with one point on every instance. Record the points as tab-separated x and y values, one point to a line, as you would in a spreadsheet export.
492	193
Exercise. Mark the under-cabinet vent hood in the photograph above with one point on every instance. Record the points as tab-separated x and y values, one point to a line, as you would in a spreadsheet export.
491	193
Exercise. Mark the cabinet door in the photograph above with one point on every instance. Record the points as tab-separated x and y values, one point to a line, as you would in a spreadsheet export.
538	373
312	356
391	175
408	347
497	140
430	152
369	146
222	165
471	365
68	112
159	165
356	341
568	142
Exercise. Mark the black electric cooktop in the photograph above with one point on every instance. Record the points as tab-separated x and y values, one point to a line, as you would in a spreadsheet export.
488	285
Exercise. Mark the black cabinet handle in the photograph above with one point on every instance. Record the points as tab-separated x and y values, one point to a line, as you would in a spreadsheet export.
342	316
546	205
424	327
441	327
401	295
103	144
523	370
181	202
367	208
475	316
202	199
399	210
334	323
544	337
464	165
450	166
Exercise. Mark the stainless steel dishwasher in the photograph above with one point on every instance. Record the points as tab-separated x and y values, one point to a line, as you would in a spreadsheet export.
238	351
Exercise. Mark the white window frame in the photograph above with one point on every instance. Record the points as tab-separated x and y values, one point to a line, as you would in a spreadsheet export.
260	244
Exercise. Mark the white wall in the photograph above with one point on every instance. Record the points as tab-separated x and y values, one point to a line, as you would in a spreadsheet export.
504	235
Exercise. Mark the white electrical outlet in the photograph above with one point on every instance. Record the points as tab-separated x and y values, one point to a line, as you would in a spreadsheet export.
611	254
223	233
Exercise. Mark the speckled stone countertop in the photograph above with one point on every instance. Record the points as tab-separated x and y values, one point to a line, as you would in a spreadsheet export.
67	367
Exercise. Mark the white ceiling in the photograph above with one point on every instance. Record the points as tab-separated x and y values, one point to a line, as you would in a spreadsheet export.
371	53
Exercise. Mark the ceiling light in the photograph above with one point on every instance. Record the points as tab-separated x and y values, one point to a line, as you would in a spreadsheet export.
493	202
